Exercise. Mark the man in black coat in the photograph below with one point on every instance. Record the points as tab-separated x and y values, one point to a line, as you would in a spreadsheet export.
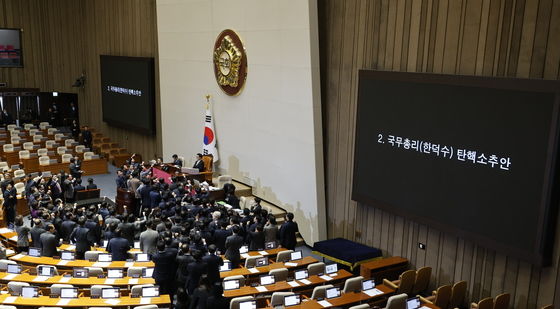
10	201
36	232
74	168
195	271
165	268
86	137
67	227
199	163
220	236
177	161
91	185
83	238
49	242
233	243
118	247
288	232
94	227
213	263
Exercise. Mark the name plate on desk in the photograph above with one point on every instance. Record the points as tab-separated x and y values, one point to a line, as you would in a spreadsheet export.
373	292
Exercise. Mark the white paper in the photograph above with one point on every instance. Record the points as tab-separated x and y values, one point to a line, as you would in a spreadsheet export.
101	264
112	301
109	281
253	270
325	277
9	276
128	264
14	238
261	288
10	252
63	302
65	279
132	281
5	230
290	264
263	253
333	274
373	292
40	278
62	262
305	281
245	255
145	301
10	300
70	247
424	307
293	283
17	256
325	303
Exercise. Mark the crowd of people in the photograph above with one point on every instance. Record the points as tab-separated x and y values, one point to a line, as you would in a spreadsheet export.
182	230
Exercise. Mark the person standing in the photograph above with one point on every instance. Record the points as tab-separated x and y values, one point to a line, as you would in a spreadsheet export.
10	201
49	242
271	229
118	247
148	239
233	243
165	268
87	137
22	235
83	238
288	232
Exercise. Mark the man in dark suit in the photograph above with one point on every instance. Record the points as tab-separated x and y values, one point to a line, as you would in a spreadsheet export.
49	242
121	180
83	238
91	185
74	168
233	243
36	232
94	227
288	232
220	236
67	227
165	268
199	163
176	160
78	186
10	201
195	271
87	137
118	247
213	263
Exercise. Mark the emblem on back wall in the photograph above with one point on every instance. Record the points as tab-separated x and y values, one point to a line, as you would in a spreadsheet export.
230	62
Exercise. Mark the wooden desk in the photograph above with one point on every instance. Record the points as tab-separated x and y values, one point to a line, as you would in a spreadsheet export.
95	166
125	198
35	280
30	260
81	301
285	286
30	165
388	268
265	269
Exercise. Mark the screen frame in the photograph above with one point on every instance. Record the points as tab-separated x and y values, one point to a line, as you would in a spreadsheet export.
152	96
21	59
548	206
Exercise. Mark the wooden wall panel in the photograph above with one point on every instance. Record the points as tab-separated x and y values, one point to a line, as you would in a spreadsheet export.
482	37
63	38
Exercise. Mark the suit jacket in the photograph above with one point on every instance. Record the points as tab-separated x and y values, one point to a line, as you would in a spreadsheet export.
233	243
10	198
148	241
66	229
220	237
195	270
68	189
91	186
118	247
288	235
36	236
79	188
270	232
213	263
133	184
165	265
83	239
257	240
49	243
86	136
200	165
127	232
95	230
74	170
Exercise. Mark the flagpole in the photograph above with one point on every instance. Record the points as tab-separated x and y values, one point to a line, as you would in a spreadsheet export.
208	96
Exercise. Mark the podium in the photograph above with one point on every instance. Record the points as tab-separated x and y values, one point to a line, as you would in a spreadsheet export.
125	197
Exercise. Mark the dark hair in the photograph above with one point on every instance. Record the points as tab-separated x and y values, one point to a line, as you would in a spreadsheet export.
160	245
19	220
90	180
235	229
81	221
290	216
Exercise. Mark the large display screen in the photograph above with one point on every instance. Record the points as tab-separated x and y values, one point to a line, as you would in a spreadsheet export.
127	91
11	55
473	156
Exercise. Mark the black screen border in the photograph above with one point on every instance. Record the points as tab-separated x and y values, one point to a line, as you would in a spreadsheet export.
548	208
152	96
21	58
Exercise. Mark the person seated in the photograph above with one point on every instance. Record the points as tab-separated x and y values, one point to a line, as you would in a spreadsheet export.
91	185
199	163
78	186
176	161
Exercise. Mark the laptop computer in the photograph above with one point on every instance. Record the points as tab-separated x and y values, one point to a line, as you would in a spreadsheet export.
368	285
67	255
150	291
13	269
248	304
142	257
36	252
147	272
29	291
45	271
301	274
332	293
296	255
80	273
267	279
108	293
69	293
104	257
413	303
243	249
231	284
270	245
114	273
262	261
292	300
331	268
226	266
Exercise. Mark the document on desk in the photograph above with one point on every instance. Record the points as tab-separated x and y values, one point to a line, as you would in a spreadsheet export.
245	255
132	281
325	303
112	301
10	276
71	247
101	264
326	277
145	301
373	292
18	256
253	270
261	288
40	278
14	238
293	283
5	230
63	302
424	307
263	253
290	264
62	262
305	281
109	281
10	300
64	279
10	252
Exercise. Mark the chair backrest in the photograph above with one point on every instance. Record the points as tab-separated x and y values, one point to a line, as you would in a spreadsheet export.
502	301
251	261
486	303
283	256
27	126
79	148
50	144
234	304
4	166
320	291
397	301
24	154
11	126
61	150
28	145
44	160
362	306
353	284
88	155
407	279
443	295
458	293
58	137
422	280
137	289
20	187
134	271
316	268
37	138
42	152
8	147
69	142
15	286
32	132
96	289
241	279
543	307
51	131
277	298
55	271
280	274
4	264
208	162
19	173
43	125
55	288
94	271
66	158
91	255
15	140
